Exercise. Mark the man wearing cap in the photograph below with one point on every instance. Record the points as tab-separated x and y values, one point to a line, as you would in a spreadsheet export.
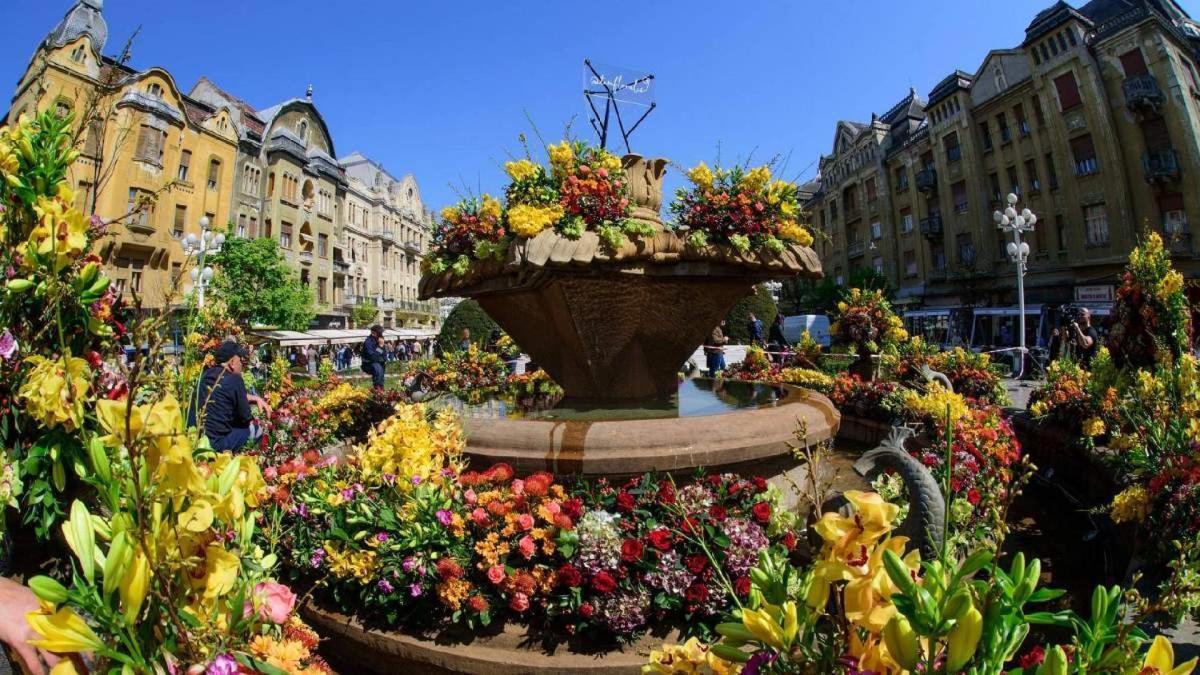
225	403
374	357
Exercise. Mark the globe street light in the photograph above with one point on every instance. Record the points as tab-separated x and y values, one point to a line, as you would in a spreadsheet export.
208	242
1018	251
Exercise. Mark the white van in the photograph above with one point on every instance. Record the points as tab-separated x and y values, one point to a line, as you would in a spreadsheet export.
817	326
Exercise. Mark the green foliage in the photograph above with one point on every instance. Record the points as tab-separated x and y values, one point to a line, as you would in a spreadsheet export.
466	314
761	304
259	287
364	314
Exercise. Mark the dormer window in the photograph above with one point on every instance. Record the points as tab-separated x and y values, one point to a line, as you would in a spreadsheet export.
302	130
154	89
79	55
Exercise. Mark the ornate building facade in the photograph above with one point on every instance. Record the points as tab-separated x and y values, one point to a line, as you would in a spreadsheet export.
155	161
1094	121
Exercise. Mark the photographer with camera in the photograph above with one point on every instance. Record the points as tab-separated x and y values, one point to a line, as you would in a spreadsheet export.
1076	337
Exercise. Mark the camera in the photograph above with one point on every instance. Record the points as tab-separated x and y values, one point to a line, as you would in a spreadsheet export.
1069	314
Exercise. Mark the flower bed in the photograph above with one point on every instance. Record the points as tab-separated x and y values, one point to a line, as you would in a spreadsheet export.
758	367
743	208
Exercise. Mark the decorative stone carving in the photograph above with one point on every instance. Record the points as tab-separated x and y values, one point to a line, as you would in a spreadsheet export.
645	178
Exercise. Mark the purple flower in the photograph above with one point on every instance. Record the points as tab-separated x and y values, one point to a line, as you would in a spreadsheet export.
8	345
408	564
416	480
382	536
389	478
385	586
317	558
443	516
758	661
415	590
224	664
348	494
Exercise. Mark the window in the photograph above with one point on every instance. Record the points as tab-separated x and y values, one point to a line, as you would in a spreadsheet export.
323	245
1053	46
135	276
1031	175
1133	62
1044	52
1191	71
1037	111
1039	242
267	228
906	221
1062	42
1060	233
937	255
1071	36
966	249
901	179
1084	152
321	290
871	193
285	235
1095	220
910	263
987	135
271	184
994	184
1022	123
214	173
1068	91
241	226
877	264
253	226
1051	171
833	212
154	89
304	278
876	231
185	163
1002	124
1174	218
250	179
138	208
837	276
79	55
150	145
61	109
1014	181
959	190
303	130
180	221
953	149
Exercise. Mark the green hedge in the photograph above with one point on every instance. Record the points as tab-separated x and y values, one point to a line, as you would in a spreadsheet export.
466	314
761	304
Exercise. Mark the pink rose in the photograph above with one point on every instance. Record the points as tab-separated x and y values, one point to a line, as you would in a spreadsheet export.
495	574
275	602
519	602
554	508
525	521
518	487
479	516
526	546
270	473
470	496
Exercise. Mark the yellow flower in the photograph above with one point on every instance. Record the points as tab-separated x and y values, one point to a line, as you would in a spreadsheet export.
690	657
1131	505
1093	427
528	221
1171	284
1160	660
937	403
61	230
134	586
54	390
756	179
410	445
521	169
64	631
450	214
608	161
701	176
562	157
222	569
793	231
489	208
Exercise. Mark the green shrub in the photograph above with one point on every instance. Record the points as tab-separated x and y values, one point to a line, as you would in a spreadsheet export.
466	314
761	304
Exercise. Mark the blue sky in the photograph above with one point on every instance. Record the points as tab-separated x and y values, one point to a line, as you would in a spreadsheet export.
443	89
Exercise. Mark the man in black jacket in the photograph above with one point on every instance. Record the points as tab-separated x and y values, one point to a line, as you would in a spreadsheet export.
374	357
224	403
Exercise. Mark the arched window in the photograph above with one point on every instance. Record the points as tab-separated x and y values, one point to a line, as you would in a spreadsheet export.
303	130
79	55
214	173
308	194
154	89
271	184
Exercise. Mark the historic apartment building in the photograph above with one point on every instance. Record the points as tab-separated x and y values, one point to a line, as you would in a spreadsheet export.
158	160
1094	121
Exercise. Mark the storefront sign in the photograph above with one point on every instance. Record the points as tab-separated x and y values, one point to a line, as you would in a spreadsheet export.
1093	294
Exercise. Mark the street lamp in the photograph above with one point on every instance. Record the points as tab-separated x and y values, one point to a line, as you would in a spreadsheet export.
207	243
1018	251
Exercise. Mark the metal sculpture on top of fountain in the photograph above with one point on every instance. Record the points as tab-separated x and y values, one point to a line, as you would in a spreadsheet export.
616	323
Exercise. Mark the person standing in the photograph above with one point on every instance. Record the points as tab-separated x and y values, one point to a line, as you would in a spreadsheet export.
374	357
1084	336
464	340
776	340
714	350
754	327
223	402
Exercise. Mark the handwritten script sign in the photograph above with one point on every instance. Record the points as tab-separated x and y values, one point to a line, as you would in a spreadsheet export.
618	84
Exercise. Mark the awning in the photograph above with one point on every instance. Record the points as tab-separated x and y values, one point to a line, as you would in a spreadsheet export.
1007	311
288	338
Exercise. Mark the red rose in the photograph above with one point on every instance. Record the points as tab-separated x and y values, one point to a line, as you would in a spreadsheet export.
789	541
760	483
973	496
569	575
762	512
696	593
625	502
1033	657
742	586
666	493
689	525
586	610
696	563
660	539
718	513
631	550
604	583
573	508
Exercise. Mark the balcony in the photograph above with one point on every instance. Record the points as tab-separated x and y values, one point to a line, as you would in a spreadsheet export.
385	236
1142	94
350	300
341	266
927	181
1161	165
386	304
856	249
306	257
413	247
931	227
853	213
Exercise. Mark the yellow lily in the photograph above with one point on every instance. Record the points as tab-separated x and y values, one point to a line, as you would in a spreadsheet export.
765	628
134	587
222	571
1160	660
63	632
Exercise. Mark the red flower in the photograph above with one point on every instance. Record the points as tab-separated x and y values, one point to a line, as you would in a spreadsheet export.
625	502
500	473
761	511
689	525
631	550
718	513
660	539
666	493
573	508
696	593
603	582
742	586
586	610
973	496
478	603
569	576
1033	657
760	483
538	484
789	541
696	563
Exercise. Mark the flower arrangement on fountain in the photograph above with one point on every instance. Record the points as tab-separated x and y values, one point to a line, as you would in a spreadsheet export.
758	367
1081	401
745	209
970	374
864	322
1151	315
582	189
863	398
401	532
470	375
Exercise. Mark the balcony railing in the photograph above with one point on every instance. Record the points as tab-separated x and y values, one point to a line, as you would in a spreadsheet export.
350	300
385	236
1161	165
927	180
1142	93
306	257
931	227
386	304
856	249
341	265
413	247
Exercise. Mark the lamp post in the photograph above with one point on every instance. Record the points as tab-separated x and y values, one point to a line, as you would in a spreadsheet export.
1018	251
207	243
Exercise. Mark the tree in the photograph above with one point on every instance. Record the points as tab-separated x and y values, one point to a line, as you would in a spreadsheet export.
466	314
259	287
869	279
761	303
364	314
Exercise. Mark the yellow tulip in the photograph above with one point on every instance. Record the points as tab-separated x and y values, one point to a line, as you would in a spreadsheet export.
1161	659
63	632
